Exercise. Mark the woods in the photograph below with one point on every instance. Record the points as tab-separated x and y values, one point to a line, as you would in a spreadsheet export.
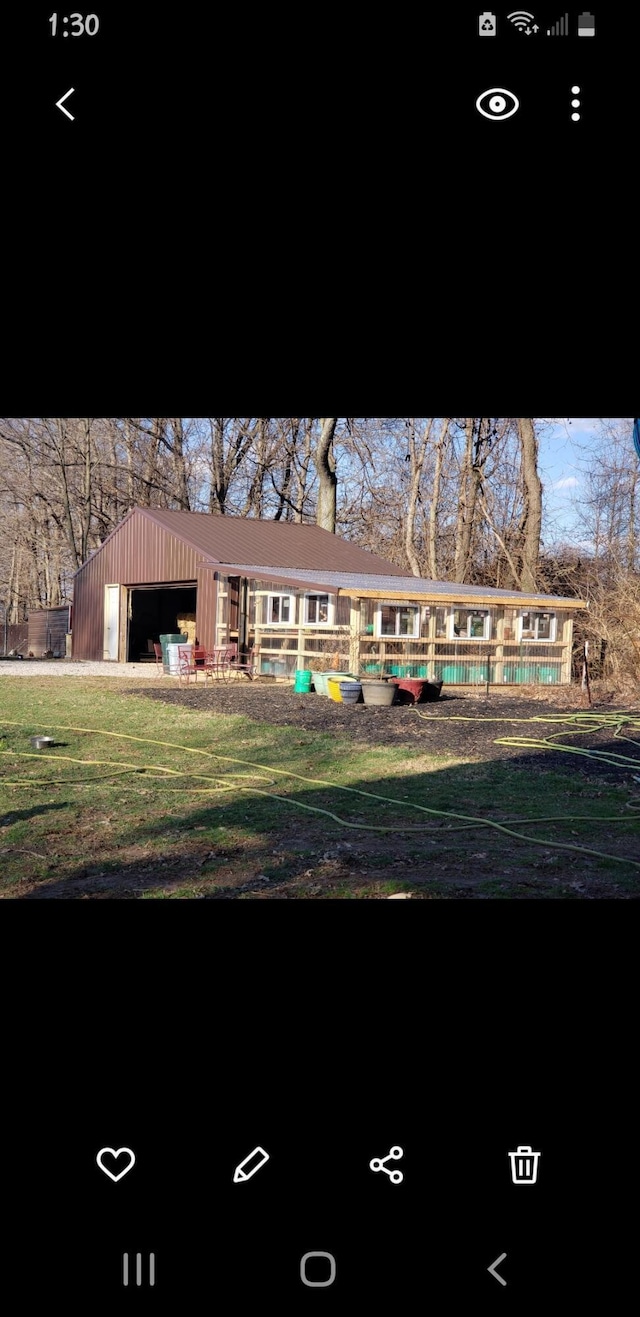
455	498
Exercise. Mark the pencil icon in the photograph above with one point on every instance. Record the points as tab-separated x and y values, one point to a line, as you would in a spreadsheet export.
254	1162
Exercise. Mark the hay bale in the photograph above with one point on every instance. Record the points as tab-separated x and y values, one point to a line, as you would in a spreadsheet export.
187	625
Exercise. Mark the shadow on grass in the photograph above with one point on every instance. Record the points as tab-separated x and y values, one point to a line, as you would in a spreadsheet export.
20	815
257	847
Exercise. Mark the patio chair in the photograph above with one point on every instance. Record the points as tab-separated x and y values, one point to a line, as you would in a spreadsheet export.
191	662
157	649
248	664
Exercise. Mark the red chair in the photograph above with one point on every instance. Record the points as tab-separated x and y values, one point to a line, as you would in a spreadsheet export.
157	649
191	662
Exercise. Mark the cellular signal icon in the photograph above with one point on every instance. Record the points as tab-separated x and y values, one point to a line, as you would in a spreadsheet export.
559	29
523	21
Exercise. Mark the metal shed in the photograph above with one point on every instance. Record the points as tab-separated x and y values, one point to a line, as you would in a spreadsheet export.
304	598
159	565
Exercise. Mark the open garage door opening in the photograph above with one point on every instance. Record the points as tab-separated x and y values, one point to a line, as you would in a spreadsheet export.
154	611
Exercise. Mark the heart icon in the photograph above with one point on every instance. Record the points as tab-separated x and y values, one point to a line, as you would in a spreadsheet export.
116	1154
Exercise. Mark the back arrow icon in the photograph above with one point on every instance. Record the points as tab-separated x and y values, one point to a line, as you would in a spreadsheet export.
495	1264
60	106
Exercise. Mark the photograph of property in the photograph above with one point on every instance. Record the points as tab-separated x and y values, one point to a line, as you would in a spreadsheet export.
319	658
301	599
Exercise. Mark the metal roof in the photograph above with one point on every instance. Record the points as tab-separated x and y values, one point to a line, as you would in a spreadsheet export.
307	556
290	544
380	586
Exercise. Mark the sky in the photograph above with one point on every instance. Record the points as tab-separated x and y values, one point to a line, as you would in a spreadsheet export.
562	459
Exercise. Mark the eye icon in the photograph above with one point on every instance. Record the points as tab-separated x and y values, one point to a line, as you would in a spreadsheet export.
497	103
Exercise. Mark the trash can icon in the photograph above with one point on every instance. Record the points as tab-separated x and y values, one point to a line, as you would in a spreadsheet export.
524	1165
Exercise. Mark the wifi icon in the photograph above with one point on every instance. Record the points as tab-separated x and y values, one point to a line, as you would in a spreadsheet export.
524	21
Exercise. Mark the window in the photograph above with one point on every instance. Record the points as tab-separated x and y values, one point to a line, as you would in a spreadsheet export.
538	626
398	620
318	608
471	623
280	610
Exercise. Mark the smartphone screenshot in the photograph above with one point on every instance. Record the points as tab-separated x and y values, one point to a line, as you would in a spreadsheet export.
139	83
358	697
318	736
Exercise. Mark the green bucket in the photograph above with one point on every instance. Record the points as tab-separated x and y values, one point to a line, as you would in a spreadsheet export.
302	683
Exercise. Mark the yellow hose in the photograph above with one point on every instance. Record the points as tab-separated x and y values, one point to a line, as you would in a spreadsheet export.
218	784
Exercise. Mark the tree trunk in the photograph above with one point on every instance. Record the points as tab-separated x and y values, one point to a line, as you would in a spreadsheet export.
467	503
326	468
533	488
87	488
435	496
217	488
417	454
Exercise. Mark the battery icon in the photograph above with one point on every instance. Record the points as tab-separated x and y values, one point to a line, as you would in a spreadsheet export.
487	24
586	25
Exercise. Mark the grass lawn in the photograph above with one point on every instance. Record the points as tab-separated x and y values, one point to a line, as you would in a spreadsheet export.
202	805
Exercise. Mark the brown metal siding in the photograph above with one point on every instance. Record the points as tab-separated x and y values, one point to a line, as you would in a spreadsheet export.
139	552
206	600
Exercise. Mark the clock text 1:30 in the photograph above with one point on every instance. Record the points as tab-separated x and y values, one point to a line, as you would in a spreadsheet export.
81	24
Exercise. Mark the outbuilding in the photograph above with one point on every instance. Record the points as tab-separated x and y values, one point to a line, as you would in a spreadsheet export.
301	597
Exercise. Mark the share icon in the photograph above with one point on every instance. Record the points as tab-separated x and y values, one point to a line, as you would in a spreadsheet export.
379	1164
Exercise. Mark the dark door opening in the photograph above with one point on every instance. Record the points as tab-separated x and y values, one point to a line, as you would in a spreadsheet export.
154	611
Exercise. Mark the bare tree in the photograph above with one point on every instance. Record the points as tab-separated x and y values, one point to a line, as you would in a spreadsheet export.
440	450
416	456
231	441
478	436
328	481
532	518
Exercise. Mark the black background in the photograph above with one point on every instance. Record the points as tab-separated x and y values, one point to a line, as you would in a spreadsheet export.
273	90
325	1037
333	170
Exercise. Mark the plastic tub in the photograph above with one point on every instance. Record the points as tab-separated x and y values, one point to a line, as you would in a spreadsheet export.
174	639
410	689
350	691
173	665
431	691
336	681
379	692
323	677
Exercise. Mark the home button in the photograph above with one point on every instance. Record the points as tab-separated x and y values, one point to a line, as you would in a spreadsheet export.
310	1270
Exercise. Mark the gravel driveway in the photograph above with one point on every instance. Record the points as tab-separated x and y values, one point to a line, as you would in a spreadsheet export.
74	668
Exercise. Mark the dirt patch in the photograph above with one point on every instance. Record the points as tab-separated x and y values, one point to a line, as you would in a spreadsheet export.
303	856
464	725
